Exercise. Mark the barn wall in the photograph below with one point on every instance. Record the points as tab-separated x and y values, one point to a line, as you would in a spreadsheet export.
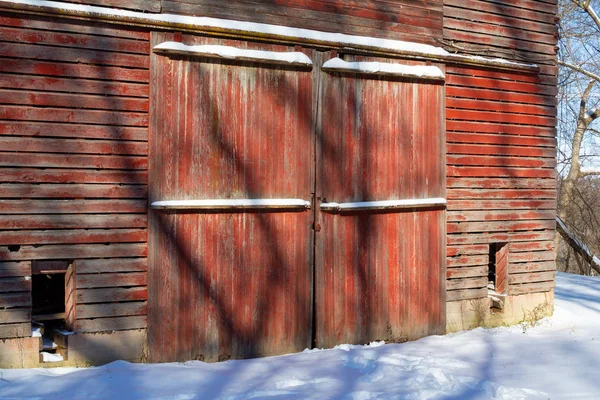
73	167
501	146
73	160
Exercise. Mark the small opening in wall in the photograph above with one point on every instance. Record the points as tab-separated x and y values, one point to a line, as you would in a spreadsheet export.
497	273
48	290
48	296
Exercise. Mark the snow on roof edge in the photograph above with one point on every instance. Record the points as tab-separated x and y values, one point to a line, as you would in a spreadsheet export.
196	22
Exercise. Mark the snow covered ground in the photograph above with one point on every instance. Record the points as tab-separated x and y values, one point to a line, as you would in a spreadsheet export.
558	359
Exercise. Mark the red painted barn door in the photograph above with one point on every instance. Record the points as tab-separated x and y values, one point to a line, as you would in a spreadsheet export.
229	282
380	273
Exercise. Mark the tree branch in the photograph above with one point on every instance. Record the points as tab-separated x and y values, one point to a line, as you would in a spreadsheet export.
580	70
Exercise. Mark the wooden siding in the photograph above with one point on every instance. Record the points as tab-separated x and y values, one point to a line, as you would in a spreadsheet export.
379	274
501	146
73	161
419	21
15	299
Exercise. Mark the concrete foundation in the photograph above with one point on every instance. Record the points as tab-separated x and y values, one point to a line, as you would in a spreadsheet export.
527	308
20	353
83	350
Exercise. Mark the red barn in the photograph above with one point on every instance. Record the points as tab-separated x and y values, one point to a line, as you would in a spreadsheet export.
186	179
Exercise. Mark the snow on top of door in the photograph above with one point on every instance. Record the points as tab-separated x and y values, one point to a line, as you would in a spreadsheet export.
234	53
379	68
230	203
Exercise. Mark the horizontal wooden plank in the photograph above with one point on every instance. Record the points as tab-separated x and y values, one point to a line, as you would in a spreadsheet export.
75	251
530	256
462	11
477	149
78	101
516	268
505	10
71	85
500	183
498	237
63	175
532	246
20	284
74	191
142	5
504	215
45	160
501	194
513	98
508	118
14	316
102	310
73	146
505	140
482	37
74	41
73	71
25	113
110	324
511	172
530	277
112	265
15	299
111	295
96	29
495	226
467	272
15	330
73	131
72	236
118	279
458	205
467	294
62	221
467	283
73	206
500	129
467	250
83	56
497	106
499	161
49	266
526	288
503	75
452	25
15	269
463	261
494	84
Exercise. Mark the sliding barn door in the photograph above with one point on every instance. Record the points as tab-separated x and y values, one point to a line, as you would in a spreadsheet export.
380	249
231	275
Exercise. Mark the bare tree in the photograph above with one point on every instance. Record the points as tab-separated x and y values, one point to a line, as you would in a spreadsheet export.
579	113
